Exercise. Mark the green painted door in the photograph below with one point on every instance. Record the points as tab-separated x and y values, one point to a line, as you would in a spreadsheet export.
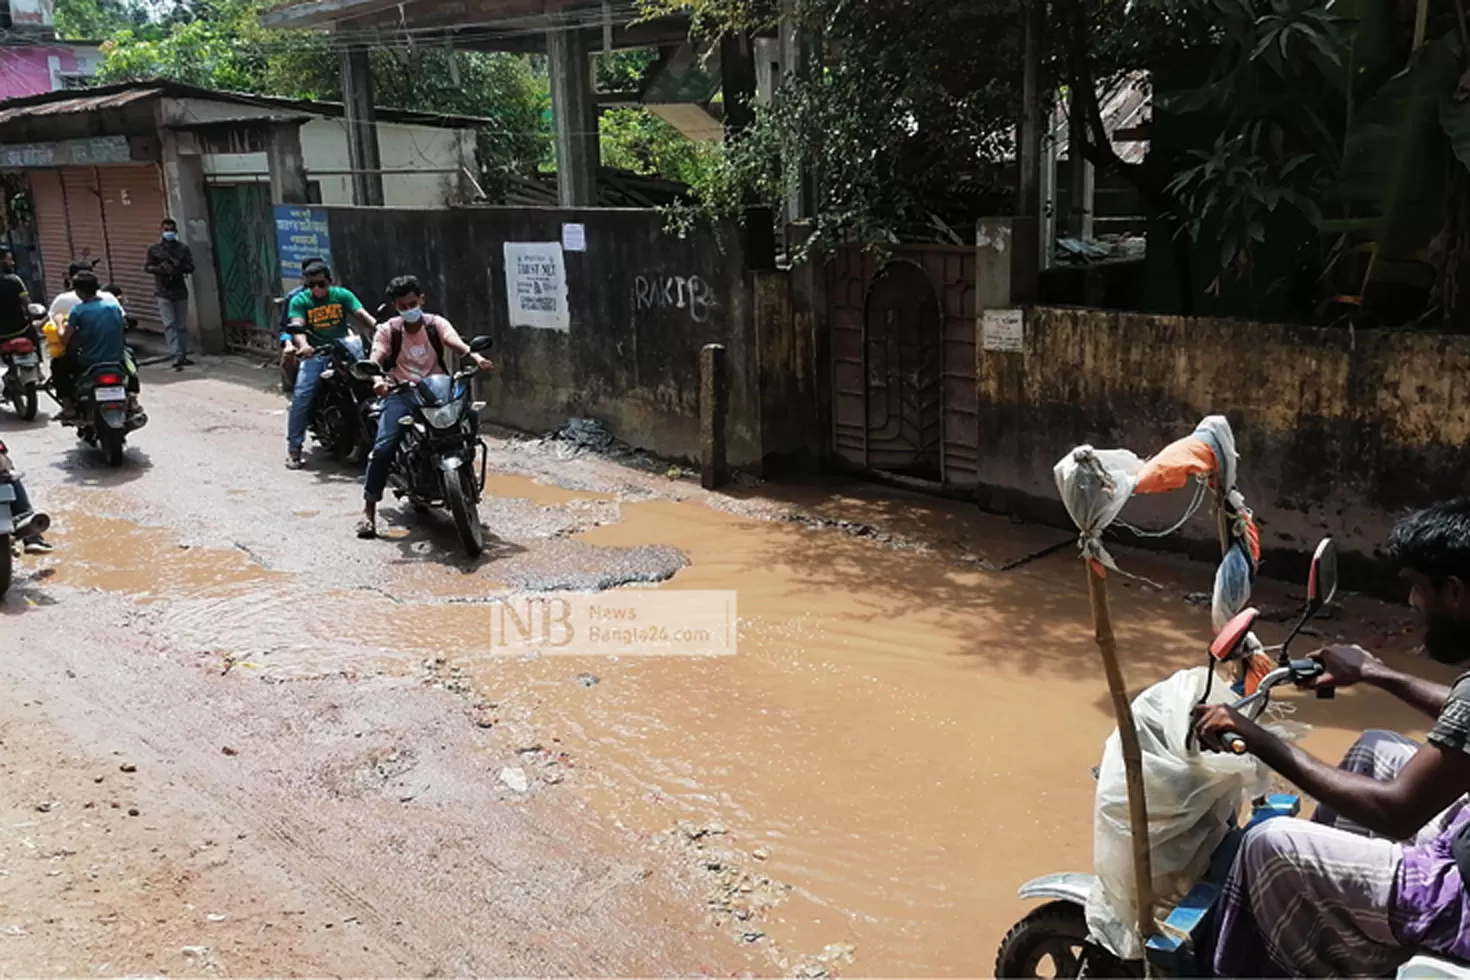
245	258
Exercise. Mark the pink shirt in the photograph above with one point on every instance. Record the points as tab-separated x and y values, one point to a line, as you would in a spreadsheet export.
416	357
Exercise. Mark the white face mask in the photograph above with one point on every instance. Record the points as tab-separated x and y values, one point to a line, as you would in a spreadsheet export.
414	315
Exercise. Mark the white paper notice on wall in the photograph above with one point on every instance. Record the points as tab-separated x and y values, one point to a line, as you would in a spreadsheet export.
1003	331
536	286
574	238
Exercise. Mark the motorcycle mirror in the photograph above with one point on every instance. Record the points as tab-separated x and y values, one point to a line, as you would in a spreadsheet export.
1233	634
1322	580
1321	587
481	343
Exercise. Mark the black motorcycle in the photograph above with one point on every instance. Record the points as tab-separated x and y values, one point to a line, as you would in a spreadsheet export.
442	459
105	412
20	370
339	420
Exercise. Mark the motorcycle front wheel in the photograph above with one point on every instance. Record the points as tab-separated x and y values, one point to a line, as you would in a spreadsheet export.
461	501
1052	942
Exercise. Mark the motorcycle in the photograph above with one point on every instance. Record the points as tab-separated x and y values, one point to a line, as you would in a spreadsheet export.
339	414
436	462
105	414
1058	932
20	371
11	530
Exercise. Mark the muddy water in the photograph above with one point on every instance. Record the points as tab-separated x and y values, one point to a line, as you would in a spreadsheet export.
901	738
233	609
906	740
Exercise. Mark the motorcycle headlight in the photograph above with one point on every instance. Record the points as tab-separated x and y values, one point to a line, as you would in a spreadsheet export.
443	417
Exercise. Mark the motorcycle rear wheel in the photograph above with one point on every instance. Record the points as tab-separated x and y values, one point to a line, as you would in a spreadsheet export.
111	442
26	402
466	515
7	563
1054	937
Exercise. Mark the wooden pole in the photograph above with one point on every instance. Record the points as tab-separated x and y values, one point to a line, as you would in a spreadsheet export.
1102	621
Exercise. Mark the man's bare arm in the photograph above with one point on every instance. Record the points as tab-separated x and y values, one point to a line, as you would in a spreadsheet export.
1427	696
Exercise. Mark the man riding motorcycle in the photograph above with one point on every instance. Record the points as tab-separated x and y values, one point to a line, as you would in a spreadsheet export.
30	525
316	317
95	332
15	303
289	363
1380	871
410	348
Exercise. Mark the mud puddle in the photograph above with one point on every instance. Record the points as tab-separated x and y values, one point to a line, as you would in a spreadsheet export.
233	611
901	740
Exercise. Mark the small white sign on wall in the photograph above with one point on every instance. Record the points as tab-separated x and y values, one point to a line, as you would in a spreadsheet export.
1003	331
574	238
536	286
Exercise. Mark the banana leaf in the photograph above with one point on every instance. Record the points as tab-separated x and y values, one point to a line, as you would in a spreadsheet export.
1394	175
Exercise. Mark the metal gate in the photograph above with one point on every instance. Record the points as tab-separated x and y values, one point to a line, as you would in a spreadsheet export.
245	258
903	345
902	334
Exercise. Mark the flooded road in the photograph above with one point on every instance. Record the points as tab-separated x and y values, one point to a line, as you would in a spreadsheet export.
902	738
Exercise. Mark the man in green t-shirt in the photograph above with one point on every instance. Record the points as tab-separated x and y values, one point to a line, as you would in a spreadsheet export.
317	317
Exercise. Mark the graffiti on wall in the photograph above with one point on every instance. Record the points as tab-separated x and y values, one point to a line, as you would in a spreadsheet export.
688	293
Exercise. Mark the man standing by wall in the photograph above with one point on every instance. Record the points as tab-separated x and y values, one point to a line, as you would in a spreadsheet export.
170	263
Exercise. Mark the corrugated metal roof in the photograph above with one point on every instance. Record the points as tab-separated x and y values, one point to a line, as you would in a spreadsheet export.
77	104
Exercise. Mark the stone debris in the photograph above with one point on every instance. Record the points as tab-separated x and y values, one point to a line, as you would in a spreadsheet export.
515	777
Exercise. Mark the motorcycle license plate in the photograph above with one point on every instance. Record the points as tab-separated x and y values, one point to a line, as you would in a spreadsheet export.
112	394
27	360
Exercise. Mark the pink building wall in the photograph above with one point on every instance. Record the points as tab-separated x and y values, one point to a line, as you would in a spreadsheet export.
32	69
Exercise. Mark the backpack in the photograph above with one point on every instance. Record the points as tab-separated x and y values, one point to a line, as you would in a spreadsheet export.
431	327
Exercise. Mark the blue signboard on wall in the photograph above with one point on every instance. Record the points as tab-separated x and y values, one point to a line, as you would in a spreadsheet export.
301	234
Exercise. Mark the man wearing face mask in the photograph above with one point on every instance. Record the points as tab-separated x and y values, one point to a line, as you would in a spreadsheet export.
410	348
1379	872
171	263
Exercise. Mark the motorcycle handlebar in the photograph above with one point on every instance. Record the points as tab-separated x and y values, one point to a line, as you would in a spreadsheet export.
1294	672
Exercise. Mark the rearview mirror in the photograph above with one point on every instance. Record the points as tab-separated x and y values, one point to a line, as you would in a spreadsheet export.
1229	639
363	370
1322	580
481	344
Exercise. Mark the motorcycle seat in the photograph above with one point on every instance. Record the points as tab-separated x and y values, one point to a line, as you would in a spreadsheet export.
17	345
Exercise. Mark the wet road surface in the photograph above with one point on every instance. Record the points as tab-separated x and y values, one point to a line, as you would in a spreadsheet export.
314	732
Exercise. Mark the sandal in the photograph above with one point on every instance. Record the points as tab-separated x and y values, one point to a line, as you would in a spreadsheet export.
294	462
366	529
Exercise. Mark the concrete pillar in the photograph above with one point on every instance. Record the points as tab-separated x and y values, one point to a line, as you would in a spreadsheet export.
578	147
714	407
1028	153
183	183
738	80
361	121
1005	277
287	164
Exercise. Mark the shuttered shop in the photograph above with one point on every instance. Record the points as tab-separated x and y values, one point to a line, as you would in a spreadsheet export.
49	206
132	207
108	216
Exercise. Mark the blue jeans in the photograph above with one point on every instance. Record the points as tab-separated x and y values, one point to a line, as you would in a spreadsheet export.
385	447
308	376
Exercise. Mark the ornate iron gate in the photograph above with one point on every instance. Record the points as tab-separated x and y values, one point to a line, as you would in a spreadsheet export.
904	348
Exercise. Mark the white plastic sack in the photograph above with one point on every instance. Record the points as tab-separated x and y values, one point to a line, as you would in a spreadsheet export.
1191	795
1095	484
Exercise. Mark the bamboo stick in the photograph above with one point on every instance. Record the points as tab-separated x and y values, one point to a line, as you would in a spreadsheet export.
1102	621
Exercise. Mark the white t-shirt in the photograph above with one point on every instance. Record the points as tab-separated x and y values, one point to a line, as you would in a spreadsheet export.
62	305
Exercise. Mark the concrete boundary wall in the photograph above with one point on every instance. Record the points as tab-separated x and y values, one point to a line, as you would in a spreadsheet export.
1339	432
642	303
